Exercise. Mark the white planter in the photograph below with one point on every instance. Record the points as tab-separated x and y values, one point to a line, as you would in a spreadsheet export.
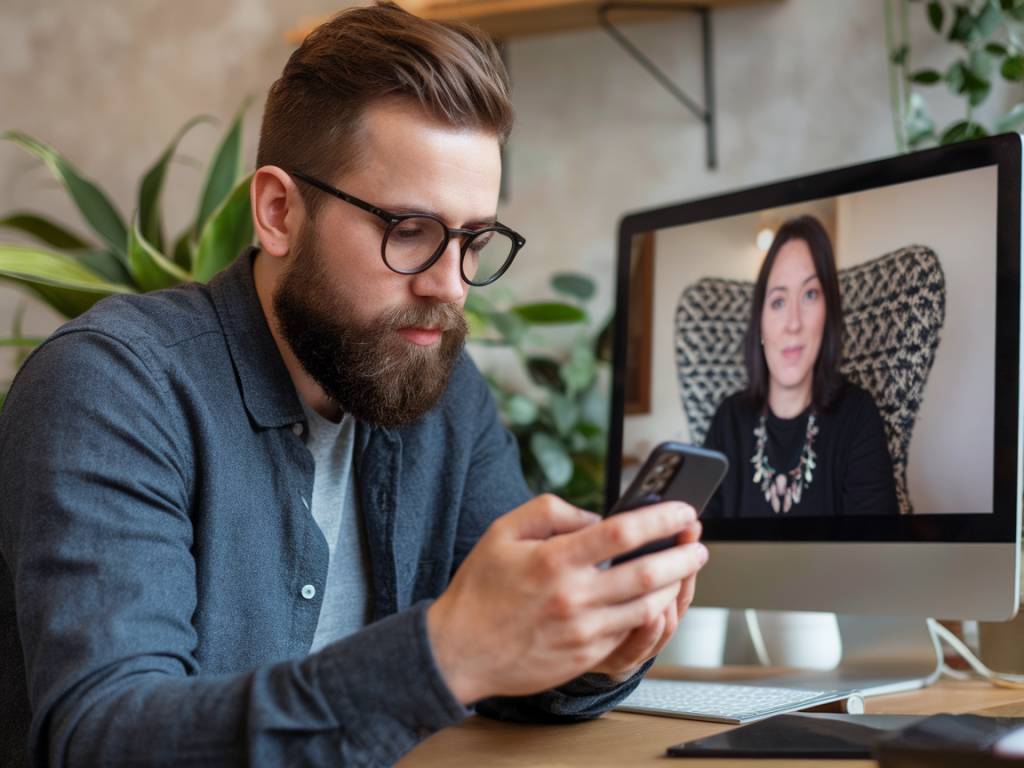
803	639
699	640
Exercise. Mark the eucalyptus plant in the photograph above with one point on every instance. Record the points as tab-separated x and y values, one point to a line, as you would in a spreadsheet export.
71	271
987	40
560	420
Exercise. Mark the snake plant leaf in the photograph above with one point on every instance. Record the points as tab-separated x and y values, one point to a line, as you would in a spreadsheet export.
44	230
104	263
224	173
152	185
150	269
61	281
22	341
227	232
93	204
184	248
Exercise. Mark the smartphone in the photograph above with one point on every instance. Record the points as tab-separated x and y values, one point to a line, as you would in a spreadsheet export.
673	472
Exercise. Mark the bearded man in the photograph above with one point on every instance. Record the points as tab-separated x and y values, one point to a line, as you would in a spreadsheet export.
276	520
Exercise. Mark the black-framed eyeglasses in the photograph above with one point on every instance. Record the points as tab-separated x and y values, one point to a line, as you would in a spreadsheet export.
413	242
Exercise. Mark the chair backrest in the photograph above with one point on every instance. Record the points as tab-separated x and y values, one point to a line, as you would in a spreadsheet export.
893	306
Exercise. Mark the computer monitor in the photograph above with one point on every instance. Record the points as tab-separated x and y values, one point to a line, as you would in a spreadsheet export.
912	506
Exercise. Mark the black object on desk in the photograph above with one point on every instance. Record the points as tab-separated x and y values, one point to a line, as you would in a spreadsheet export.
800	736
955	740
896	741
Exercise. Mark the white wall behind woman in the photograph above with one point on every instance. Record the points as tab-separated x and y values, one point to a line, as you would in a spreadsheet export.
949	466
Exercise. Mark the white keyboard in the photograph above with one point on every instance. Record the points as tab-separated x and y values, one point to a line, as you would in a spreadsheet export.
726	702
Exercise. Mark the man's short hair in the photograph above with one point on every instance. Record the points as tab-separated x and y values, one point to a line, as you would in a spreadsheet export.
361	56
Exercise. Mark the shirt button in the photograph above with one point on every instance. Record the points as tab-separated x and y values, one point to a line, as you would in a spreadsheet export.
309	591
297	428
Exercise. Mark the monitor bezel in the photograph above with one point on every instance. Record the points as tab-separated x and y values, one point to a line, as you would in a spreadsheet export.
1004	152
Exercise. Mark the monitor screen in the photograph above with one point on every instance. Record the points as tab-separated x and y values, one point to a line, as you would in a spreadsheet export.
849	340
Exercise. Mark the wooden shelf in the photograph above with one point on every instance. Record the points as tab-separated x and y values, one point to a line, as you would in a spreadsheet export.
504	19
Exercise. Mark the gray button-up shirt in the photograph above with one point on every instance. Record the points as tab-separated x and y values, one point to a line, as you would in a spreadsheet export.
161	574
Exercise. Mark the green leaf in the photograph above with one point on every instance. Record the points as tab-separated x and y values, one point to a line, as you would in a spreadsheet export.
964	79
150	269
963	24
996	49
564	413
955	77
544	372
899	56
926	77
1013	68
47	231
478	303
184	249
579	372
227	232
962	131
224	173
550	313
982	64
104	263
511	327
574	284
1012	120
149	221
520	411
988	20
476	322
93	204
594	411
936	15
552	458
22	341
58	279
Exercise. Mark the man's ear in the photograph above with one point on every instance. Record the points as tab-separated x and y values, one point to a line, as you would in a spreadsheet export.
277	210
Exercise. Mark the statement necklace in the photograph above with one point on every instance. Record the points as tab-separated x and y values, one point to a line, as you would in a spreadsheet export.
782	490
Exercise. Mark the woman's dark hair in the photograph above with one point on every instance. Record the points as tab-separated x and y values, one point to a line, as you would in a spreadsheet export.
828	381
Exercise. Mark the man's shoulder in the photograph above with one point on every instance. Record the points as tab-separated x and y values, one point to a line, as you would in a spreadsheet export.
158	319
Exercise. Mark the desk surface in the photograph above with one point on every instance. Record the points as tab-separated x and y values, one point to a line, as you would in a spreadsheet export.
621	738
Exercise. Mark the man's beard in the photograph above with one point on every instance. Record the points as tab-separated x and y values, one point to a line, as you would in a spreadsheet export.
369	370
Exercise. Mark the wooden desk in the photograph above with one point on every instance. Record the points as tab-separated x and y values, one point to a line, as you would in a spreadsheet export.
624	739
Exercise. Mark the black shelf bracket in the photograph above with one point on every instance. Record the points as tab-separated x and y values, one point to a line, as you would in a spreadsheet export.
705	114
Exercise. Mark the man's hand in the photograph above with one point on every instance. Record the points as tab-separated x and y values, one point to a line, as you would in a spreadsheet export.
529	608
647	641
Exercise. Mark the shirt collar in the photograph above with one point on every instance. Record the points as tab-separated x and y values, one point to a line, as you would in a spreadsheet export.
267	389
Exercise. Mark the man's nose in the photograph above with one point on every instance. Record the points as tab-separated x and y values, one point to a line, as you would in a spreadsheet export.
443	281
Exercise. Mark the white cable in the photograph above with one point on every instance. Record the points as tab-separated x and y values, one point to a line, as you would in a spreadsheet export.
1001	679
754	630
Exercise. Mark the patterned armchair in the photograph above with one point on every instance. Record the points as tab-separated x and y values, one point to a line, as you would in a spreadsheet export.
894	307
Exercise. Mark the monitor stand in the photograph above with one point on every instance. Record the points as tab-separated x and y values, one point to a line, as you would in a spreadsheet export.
880	655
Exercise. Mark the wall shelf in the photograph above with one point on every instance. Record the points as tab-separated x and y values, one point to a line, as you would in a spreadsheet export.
509	19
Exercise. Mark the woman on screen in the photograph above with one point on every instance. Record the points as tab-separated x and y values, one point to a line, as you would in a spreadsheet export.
801	439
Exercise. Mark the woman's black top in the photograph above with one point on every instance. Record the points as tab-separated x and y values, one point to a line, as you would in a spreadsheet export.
853	475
